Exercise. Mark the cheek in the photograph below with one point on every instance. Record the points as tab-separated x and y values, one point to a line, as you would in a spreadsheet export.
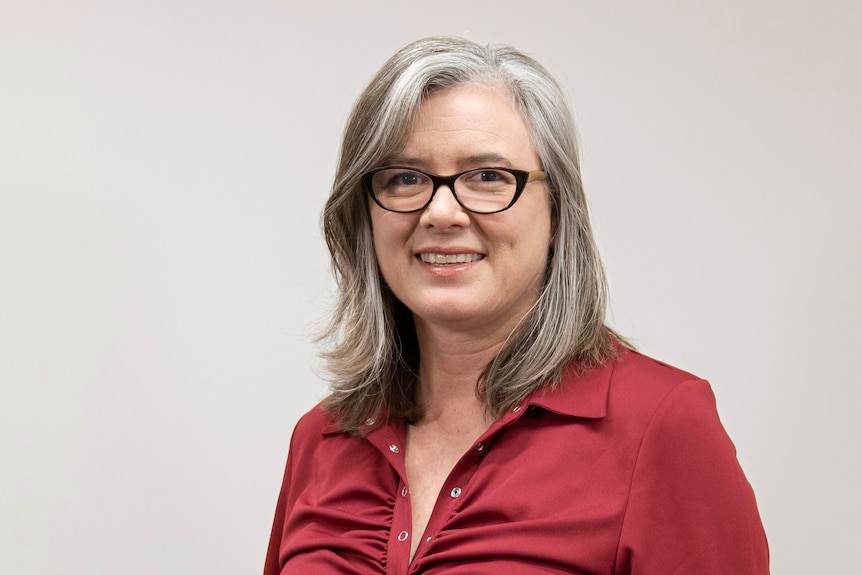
390	236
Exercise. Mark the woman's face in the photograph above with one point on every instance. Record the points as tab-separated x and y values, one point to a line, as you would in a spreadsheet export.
506	253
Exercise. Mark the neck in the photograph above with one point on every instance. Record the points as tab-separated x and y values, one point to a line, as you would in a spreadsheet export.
450	364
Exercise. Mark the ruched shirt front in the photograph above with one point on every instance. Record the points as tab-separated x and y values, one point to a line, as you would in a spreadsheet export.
624	469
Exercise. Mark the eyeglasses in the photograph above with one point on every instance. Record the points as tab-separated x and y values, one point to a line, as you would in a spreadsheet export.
481	190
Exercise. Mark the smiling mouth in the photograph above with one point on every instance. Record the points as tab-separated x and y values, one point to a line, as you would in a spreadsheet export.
449	259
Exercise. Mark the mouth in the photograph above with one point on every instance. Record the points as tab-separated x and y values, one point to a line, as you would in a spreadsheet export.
449	259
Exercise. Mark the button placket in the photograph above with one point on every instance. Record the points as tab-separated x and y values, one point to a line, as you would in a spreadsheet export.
452	495
400	533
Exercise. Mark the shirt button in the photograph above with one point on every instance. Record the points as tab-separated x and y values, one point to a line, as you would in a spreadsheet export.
456	493
480	447
402	537
393	448
404	492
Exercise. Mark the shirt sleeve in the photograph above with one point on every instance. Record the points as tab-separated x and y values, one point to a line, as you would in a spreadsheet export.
272	565
691	509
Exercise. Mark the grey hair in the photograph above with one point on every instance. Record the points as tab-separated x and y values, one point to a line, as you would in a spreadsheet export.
371	352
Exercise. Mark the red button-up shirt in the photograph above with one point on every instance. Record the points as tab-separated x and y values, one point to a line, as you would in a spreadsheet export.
623	470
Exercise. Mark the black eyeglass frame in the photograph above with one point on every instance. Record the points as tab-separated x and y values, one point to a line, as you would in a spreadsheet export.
522	178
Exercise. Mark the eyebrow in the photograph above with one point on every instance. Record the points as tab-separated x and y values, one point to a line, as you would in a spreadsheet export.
477	160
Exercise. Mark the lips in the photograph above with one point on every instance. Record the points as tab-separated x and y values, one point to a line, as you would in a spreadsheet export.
449	259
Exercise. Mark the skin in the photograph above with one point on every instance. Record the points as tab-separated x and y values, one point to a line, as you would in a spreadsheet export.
463	312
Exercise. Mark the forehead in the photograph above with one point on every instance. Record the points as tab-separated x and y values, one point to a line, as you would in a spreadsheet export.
464	124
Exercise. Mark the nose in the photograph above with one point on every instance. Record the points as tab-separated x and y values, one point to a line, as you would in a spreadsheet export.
444	211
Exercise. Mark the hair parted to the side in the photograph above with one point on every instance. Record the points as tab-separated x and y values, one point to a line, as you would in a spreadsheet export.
371	350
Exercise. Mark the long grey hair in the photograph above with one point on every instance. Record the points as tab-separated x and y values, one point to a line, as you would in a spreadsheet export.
371	351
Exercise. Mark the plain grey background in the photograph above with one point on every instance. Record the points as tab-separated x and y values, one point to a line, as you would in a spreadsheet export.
162	169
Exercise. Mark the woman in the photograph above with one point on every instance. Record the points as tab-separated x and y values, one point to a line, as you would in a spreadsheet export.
483	417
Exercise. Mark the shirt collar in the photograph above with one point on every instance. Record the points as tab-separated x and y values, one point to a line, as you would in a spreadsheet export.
579	393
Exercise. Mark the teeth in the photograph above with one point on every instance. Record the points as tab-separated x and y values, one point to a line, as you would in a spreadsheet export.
443	259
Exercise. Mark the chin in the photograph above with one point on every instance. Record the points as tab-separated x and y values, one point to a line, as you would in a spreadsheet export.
445	312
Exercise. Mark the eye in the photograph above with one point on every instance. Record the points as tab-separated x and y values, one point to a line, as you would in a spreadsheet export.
400	182
488	178
406	179
400	178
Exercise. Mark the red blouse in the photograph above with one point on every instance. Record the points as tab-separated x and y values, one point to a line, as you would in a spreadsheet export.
625	470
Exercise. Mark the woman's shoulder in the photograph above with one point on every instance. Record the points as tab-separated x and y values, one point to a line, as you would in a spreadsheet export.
627	388
632	363
313	424
645	376
638	385
645	393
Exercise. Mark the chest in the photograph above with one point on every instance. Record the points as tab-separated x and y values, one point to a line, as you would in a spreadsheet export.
428	462
544	497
